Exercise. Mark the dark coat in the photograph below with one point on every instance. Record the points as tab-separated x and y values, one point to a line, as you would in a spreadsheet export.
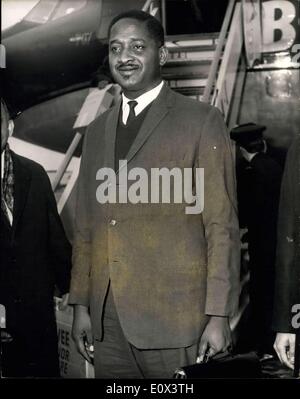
287	287
35	256
168	270
259	190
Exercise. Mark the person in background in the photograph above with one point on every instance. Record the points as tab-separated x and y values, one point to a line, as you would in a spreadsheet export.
259	179
35	257
287	287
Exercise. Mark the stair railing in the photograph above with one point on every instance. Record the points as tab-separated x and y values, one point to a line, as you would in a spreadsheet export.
229	70
147	5
218	53
151	7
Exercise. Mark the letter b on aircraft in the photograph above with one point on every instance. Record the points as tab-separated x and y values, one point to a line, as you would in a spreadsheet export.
279	34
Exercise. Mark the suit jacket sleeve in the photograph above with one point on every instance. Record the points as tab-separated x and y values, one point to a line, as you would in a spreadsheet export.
59	246
81	258
220	217
285	274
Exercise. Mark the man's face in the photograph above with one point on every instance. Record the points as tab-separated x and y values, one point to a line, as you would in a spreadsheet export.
4	127
135	57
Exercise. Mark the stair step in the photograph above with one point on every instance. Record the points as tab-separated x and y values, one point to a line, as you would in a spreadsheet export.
186	71
191	49
189	44
190	90
170	77
208	38
193	55
187	83
185	61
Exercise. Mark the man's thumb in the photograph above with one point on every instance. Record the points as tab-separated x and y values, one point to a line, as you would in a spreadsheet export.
202	350
89	337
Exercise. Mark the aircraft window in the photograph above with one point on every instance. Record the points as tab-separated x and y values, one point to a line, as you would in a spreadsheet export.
67	7
41	12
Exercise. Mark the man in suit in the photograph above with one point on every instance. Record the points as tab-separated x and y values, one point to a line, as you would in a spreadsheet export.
153	286
35	256
287	286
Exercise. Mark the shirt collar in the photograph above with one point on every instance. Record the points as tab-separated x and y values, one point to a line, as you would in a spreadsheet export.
142	101
2	164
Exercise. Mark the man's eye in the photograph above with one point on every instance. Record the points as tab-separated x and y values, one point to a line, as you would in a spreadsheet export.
139	47
115	49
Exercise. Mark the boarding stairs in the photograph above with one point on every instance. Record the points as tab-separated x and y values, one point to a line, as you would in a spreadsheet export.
210	67
189	62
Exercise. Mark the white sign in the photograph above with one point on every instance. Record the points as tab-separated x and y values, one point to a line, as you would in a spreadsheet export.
72	364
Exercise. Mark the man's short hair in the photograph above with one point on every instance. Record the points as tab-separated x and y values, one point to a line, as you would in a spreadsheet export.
154	27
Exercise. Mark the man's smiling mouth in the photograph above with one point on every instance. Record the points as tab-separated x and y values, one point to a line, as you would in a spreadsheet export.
127	67
126	70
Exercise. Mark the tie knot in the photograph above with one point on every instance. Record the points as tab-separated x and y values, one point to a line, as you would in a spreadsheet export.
132	104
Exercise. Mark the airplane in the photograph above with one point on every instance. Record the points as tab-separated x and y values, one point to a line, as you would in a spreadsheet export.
58	51
53	56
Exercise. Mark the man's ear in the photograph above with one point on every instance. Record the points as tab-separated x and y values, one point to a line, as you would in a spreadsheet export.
11	127
163	55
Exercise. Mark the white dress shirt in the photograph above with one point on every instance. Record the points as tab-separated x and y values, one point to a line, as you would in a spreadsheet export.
142	101
10	216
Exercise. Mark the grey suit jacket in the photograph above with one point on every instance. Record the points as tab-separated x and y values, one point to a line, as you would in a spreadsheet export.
168	270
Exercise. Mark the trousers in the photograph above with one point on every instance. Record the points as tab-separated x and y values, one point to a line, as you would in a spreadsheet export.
115	357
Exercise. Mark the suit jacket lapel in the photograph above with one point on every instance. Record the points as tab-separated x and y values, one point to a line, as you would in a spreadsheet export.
110	135
22	178
156	113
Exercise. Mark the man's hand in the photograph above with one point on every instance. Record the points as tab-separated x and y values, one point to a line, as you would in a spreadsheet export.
284	346
64	302
82	331
215	338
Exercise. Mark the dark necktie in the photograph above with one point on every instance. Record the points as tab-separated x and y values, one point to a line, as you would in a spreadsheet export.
132	104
